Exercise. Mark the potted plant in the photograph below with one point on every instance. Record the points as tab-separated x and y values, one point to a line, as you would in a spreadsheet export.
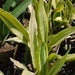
38	37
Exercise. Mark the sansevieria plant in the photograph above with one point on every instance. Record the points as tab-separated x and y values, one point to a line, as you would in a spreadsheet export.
37	39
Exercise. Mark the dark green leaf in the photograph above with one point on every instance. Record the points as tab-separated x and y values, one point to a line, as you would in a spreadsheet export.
21	8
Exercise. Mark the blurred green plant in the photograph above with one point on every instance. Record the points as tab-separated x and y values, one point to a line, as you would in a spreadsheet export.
61	15
16	11
38	36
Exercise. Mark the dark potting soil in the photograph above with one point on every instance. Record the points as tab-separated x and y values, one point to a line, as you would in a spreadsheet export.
6	65
23	56
68	68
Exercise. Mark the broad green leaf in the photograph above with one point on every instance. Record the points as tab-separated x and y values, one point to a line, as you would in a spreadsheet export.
7	5
58	65
42	21
43	59
70	57
21	8
32	37
18	64
14	39
15	26
25	72
59	37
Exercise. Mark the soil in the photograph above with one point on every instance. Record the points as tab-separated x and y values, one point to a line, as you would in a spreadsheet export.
68	68
7	51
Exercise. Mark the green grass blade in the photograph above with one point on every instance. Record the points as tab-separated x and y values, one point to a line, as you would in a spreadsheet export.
21	8
14	25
